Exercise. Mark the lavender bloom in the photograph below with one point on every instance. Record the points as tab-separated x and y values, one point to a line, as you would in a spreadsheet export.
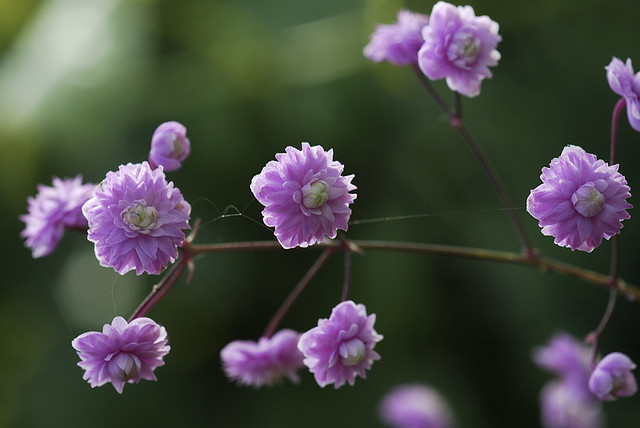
341	347
264	362
566	402
562	406
122	353
580	201
304	195
623	82
54	209
398	43
169	146
459	47
612	377
136	219
415	406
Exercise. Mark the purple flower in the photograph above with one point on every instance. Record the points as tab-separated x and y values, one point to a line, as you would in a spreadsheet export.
612	377
136	219
566	402
460	47
580	201
398	43
341	347
563	406
122	353
169	146
264	362
415	406
305	196
623	82
54	209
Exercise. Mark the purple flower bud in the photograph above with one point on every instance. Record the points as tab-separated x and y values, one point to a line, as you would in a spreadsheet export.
398	43
54	209
459	47
612	377
580	201
264	362
136	219
624	83
169	146
305	196
341	347
415	406
122	353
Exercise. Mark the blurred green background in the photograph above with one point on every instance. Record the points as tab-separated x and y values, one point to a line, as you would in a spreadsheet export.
84	83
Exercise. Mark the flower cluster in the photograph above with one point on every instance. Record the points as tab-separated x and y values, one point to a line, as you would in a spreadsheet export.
341	347
305	196
612	377
580	201
122	353
567	401
626	84
169	146
451	43
415	406
136	219
54	209
264	362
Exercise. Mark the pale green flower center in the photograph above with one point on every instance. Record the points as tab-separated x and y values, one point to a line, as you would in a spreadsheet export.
587	200
141	217
177	149
316	195
470	48
352	352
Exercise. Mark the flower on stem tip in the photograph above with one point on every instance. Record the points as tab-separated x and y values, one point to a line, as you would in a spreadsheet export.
459	47
169	146
612	377
54	209
305	196
400	42
122	353
626	84
415	406
136	219
341	347
580	201
264	362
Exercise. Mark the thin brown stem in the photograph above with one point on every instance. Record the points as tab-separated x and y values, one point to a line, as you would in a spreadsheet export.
295	293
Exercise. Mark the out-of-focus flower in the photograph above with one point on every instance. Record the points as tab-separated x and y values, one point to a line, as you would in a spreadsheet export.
305	196
400	42
566	402
580	201
459	47
136	219
341	347
54	209
415	406
169	146
612	377
122	353
626	84
564	406
264	362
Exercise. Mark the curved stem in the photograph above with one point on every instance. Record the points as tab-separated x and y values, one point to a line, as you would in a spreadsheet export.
293	296
615	116
594	336
347	273
455	119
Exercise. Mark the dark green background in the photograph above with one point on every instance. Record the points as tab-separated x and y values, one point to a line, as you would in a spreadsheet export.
83	84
